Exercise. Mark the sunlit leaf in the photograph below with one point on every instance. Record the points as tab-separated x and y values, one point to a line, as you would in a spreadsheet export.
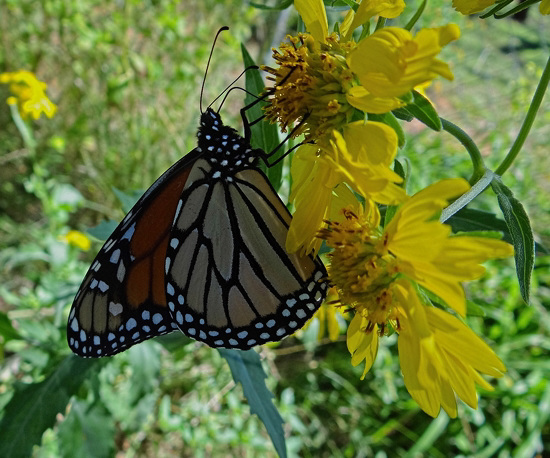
522	235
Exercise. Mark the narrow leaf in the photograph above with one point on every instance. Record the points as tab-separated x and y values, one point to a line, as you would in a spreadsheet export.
247	370
33	408
264	134
522	235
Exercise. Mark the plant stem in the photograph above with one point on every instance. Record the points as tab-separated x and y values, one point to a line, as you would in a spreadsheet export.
23	129
528	121
471	147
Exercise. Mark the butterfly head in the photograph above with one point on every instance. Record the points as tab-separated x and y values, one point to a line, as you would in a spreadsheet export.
222	145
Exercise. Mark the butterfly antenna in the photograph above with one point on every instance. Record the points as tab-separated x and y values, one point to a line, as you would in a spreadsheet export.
222	29
229	88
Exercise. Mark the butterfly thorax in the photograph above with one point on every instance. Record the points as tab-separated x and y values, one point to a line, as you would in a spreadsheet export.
222	146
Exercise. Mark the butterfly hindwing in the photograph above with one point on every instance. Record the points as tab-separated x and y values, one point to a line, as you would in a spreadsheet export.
229	280
122	298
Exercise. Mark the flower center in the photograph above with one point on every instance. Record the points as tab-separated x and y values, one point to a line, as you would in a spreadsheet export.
360	269
311	82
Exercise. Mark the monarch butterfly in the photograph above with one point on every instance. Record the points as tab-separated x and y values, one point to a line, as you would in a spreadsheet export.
201	251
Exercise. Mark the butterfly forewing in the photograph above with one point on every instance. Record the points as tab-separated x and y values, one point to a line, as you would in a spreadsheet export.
122	300
229	280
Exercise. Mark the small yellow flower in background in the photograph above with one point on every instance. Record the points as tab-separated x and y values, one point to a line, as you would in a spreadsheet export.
360	157
29	94
374	270
544	7
77	239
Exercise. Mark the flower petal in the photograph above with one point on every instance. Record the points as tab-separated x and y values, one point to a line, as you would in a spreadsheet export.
314	16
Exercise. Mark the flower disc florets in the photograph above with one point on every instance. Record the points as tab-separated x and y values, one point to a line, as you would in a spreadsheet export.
360	269
311	80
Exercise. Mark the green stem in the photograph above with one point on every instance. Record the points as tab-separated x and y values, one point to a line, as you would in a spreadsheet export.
471	147
416	16
23	129
381	23
527	122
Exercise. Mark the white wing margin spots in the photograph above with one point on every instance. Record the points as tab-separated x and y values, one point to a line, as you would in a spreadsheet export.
235	285
102	321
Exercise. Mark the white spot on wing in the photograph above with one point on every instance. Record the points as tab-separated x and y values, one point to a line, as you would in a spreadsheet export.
103	286
121	271
131	324
115	308
115	256
129	233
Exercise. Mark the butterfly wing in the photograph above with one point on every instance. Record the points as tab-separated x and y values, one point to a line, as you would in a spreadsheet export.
229	280
122	299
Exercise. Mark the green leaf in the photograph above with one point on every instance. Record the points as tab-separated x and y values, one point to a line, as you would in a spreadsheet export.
33	408
246	368
103	230
422	109
7	331
127	200
264	134
471	220
87	431
522	236
473	309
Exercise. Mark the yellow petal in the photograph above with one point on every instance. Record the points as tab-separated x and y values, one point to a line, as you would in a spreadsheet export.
314	16
359	98
471	6
369	8
459	339
544	7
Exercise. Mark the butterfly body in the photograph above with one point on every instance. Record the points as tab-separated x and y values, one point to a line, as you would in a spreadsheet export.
202	251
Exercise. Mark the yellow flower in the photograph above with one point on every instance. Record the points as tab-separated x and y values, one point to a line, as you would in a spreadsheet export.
544	7
360	157
439	355
391	62
29	94
311	80
377	271
320	78
427	254
77	239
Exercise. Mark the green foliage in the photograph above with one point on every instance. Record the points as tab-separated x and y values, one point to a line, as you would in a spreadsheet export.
33	408
246	369
125	76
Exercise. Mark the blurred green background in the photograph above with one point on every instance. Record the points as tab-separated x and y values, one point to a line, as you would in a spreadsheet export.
126	77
